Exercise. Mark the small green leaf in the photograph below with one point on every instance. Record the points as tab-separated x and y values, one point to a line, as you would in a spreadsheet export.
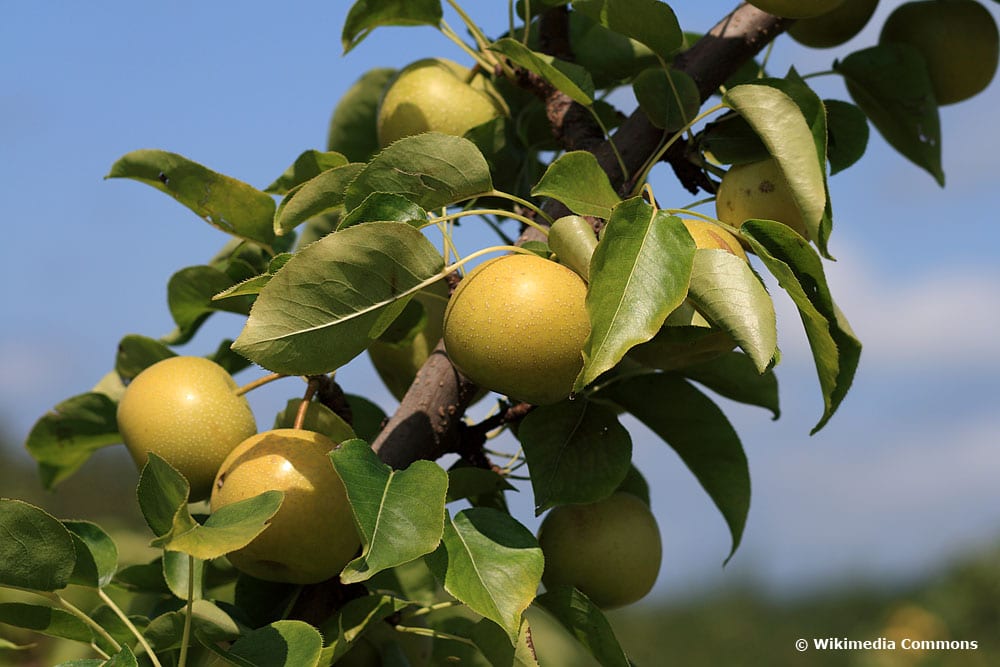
497	647
734	375
577	180
779	122
399	513
177	570
36	550
353	125
231	205
490	562
577	452
732	140
669	98
586	622
367	417
96	554
318	195
335	296
190	296
123	658
385	206
699	432
342	629
728	292
163	496
466	481
137	353
566	77
648	22
65	438
318	418
46	620
307	165
891	85
432	170
638	275
848	134
366	15
280	644
799	271
209	624
227	529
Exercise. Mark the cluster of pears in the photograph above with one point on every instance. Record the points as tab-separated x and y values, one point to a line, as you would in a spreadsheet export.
187	410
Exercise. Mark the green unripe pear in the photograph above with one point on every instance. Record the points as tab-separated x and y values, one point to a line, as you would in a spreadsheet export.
958	40
795	9
516	325
757	190
436	95
185	410
834	27
610	550
312	536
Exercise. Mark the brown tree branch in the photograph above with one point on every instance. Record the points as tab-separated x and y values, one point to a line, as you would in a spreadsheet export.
427	421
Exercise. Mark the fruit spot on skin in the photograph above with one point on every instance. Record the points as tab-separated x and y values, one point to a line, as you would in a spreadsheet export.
766	187
757	190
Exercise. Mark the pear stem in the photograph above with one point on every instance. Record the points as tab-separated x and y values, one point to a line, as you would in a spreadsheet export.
259	382
311	389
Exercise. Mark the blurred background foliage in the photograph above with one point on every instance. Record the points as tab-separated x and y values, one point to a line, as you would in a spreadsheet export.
742	624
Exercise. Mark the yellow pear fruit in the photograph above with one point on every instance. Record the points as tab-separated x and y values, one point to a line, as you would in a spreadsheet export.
757	190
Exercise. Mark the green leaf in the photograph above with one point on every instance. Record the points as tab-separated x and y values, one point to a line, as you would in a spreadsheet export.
648	22
638	275
353	125
610	57
366	15
318	418
231	205
208	623
701	435
307	165
227	529
432	170
367	417
799	271
261	602
318	195
586	622
163	496
65	438
734	376
780	123
577	452
280	644
490	562
577	180
36	550
466	481
123	658
496	645
399	513
342	629
143	578
891	85
732	140
96	554
669	98
137	353
728	292
190	296
566	77
848	134
335	296
46	620
177	568
635	484
385	206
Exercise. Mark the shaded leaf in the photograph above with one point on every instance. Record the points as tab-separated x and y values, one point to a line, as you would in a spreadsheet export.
137	353
46	620
490	562
280	644
190	296
734	375
222	201
577	180
163	496
366	15
96	554
318	418
891	85
586	622
385	206
36	550
567	77
701	435
669	98
353	125
399	513
208	623
342	629
318	195
367	417
577	452
848	134
431	169
475	483
799	271
494	643
307	165
335	296
649	22
638	275
732	140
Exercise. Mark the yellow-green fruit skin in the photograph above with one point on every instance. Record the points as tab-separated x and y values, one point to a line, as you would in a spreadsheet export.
958	40
186	411
795	9
709	236
432	95
516	325
757	190
610	550
836	26
312	536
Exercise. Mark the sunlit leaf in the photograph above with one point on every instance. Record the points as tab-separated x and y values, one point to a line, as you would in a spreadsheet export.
307	165
318	195
222	201
568	78
366	15
577	180
649	22
399	513
333	297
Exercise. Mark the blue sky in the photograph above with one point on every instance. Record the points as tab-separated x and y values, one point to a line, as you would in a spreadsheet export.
904	476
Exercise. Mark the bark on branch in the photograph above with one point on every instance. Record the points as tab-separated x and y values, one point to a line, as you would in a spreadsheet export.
427	421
